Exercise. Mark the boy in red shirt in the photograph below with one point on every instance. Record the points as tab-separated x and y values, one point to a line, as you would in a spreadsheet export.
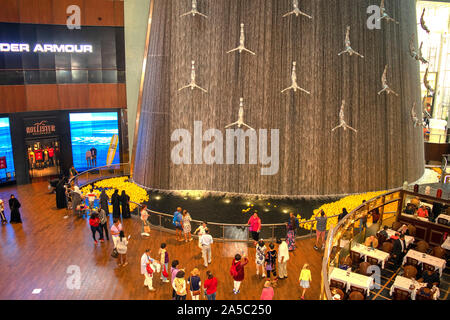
237	271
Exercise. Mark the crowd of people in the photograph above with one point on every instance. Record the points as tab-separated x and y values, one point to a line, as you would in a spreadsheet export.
271	263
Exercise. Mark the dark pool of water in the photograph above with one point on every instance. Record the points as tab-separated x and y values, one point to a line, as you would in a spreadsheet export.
229	210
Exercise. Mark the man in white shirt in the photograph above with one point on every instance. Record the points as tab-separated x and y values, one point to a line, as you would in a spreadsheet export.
201	231
283	257
146	259
206	240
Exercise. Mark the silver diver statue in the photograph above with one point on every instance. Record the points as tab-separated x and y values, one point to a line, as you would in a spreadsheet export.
384	14
240	122
296	11
342	123
348	48
193	84
194	11
414	117
385	84
242	43
294	86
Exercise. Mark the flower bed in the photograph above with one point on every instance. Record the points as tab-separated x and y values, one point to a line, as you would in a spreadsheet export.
136	194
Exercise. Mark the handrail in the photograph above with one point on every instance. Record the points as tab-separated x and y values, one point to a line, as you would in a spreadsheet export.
95	169
233	224
330	236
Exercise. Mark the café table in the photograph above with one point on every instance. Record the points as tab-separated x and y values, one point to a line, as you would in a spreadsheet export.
439	264
352	279
412	286
381	256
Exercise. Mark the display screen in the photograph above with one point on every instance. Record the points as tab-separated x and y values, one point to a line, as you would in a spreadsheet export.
6	152
93	131
53	54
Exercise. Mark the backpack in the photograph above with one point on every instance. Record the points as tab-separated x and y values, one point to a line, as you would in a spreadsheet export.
233	270
175	221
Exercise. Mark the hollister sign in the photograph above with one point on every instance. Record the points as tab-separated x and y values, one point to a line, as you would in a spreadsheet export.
40	128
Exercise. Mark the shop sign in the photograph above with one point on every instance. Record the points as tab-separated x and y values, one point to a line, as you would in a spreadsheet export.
40	127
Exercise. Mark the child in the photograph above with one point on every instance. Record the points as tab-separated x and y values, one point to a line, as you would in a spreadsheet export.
164	258
305	279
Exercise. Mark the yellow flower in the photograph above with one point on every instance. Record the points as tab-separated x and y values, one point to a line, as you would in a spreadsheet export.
334	208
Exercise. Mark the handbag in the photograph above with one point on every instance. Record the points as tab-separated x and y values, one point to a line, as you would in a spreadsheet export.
164	272
114	253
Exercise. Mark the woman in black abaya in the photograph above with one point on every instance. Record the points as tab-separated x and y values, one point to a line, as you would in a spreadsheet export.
14	206
125	201
104	202
61	200
115	201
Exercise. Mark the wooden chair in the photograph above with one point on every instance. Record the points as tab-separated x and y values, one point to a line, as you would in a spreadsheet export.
355	256
400	294
438	252
381	239
387	247
396	225
337	284
420	296
422	246
357	289
409	272
412	262
372	261
355	295
363	268
426	267
412	230
339	292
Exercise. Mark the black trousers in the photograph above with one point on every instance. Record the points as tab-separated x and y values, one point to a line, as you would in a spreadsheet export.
94	230
274	271
104	229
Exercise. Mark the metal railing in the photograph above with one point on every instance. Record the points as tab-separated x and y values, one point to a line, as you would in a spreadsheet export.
100	173
219	231
438	138
230	232
335	233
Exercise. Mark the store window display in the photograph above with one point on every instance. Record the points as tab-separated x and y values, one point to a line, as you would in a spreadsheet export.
42	158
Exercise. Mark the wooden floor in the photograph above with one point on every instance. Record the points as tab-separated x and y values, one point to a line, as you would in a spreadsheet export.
38	253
